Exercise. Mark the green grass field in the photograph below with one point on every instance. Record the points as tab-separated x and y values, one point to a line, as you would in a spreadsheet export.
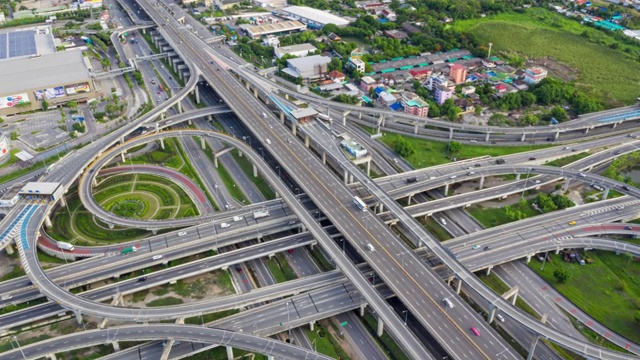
539	33
430	153
490	217
607	289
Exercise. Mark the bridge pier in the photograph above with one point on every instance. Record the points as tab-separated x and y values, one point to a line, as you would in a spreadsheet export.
282	117
190	122
94	182
458	286
614	125
63	201
203	145
180	107
350	178
486	137
197	91
362	307
481	184
446	189
381	208
523	137
247	85
380	329
116	346
111	226
533	348
605	194
415	128
294	129
450	133
528	258
518	177
161	118
489	270
369	167
210	117
311	325
162	144
255	92
122	156
52	356
9	248
158	125
78	317
557	135
565	187
154	231
492	313
586	131
345	177
324	158
122	140
215	161
306	140
409	199
47	221
255	171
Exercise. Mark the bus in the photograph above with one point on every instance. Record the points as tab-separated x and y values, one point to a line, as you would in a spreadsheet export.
359	203
65	246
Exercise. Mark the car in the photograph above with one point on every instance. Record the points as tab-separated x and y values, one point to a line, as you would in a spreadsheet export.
443	221
477	165
153	82
474	247
537	181
238	267
475	331
486	248
144	278
182	233
628	228
582	175
224	225
572	222
567	148
500	318
532	158
290	251
453	177
471	173
156	257
158	92
625	187
620	208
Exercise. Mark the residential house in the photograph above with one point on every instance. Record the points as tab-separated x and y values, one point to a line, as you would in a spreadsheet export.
467	90
396	34
389	14
336	76
334	37
414	105
443	93
366	83
501	88
386	99
271	40
388	79
358	64
534	75
410	29
521	85
436	80
458	73
464	104
420	75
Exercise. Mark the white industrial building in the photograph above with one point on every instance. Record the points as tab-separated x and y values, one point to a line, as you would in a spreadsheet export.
300	50
314	18
309	68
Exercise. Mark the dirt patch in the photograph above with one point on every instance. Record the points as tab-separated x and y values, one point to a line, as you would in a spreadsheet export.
555	68
7	264
201	287
342	341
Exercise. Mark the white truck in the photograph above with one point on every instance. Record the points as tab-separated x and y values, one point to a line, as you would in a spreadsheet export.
261	213
224	225
65	246
237	218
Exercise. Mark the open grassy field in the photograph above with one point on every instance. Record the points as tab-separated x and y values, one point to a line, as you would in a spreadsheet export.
539	33
490	217
608	289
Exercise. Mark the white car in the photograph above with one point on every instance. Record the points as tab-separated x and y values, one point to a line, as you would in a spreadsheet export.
443	221
475	247
182	233
500	318
224	225
156	257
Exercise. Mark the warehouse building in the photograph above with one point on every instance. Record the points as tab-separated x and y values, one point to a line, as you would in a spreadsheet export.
281	28
309	68
300	50
314	18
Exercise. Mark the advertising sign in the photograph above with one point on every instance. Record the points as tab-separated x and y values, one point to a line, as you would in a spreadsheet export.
13	100
78	88
52	93
4	146
39	94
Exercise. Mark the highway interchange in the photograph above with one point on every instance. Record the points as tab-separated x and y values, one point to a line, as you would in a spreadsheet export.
333	199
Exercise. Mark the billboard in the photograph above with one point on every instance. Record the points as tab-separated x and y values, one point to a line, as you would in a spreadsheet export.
39	94
13	100
78	88
52	93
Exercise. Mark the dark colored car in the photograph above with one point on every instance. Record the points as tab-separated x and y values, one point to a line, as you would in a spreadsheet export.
144	278
238	268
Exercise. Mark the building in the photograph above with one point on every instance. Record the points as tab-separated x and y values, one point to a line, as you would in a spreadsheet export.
413	104
534	75
9	199
336	76
353	148
30	77
300	50
468	90
304	114
501	88
226	4
41	191
443	93
434	81
272	41
358	64
386	99
396	34
458	73
420	75
309	68
314	18
389	14
285	27
366	83
2	19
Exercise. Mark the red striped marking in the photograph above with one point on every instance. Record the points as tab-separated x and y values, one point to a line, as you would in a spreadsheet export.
558	299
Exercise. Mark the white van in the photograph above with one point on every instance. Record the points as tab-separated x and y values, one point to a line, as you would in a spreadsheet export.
182	233
268	141
156	257
264	115
370	247
237	218
448	303
224	225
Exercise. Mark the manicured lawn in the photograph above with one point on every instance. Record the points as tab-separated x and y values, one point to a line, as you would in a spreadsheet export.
490	217
500	287
230	183
280	269
259	181
324	342
538	33
568	160
435	229
385	341
607	289
429	153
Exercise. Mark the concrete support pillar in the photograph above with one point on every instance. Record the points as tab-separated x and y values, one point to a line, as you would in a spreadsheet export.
409	199
350	178
345	177
381	207
344	120
614	125
52	356
380	329
324	157
94	182
122	156
203	145
362	307
605	194
122	140
255	171
215	161
158	125
116	346
247	85
458	286
294	129
197	95
239	153
286	96
47	221
180	107
282	117
359	116
78	317
162	144
154	231
565	187
586	131
9	248
210	117
557	135
528	259
449	280
481	184
270	357
415	129
492	314
190	122
111	226
489	270
311	325
229	353
446	189
533	348
306	140
277	195
514	298
255	92
369	167
486	137
450	133
517	177
162	115
557	251
63	201
523	137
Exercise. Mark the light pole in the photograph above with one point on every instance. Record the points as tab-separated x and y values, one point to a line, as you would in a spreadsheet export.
278	167
525	183
19	347
544	260
406	314
342	240
402	254
373	281
288	322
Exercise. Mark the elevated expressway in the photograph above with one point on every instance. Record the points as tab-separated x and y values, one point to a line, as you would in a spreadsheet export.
163	331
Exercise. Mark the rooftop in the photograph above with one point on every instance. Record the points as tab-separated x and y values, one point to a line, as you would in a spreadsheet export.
417	103
315	15
308	62
536	70
303	113
274	28
41	72
295	48
40	188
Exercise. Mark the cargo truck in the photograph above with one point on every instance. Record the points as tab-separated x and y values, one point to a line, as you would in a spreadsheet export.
261	213
65	246
128	250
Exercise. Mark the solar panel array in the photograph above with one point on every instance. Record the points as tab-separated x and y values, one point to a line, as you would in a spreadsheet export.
22	43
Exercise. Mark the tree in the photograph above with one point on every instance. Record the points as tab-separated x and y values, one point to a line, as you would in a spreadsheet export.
45	105
546	204
628	256
455	147
559	114
452	113
561	275
335	64
637	316
403	147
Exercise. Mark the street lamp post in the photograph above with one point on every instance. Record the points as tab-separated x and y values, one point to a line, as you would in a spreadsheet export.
19	347
318	215
342	240
373	281
406	314
288	322
525	183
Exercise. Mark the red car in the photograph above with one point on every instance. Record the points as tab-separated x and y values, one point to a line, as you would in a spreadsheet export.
475	331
